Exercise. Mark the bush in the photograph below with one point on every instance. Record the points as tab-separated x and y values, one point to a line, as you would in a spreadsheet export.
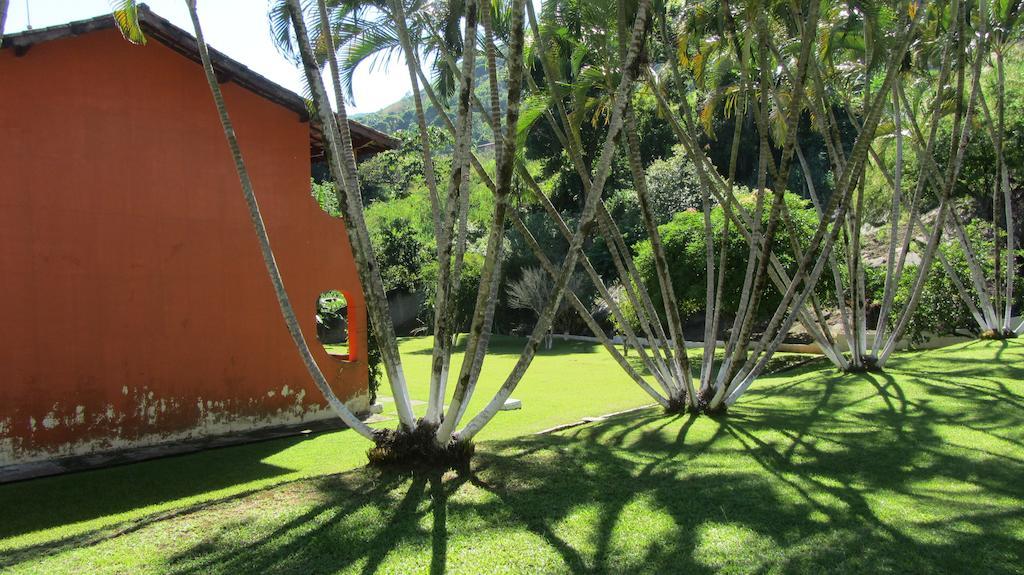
393	173
464	298
400	253
684	243
940	309
534	290
673	186
323	194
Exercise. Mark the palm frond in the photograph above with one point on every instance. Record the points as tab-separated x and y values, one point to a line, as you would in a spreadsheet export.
530	110
377	45
126	15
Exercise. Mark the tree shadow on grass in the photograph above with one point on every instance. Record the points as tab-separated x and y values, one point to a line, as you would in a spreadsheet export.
47	502
894	472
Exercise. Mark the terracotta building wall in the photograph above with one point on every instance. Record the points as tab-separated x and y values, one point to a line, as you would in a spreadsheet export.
135	305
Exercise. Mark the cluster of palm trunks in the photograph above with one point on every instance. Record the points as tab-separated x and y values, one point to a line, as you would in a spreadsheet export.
789	62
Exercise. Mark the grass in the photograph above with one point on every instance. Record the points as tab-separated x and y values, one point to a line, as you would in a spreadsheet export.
566	383
915	470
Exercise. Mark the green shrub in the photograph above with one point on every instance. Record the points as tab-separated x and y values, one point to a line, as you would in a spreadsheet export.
673	186
393	173
323	194
940	309
684	243
465	297
400	253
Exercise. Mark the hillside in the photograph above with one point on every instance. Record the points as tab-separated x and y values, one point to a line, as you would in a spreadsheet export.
401	114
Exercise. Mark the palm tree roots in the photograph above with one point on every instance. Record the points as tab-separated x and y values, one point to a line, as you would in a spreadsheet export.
418	448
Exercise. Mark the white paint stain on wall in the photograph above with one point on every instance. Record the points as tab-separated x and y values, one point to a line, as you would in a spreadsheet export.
51	421
215	418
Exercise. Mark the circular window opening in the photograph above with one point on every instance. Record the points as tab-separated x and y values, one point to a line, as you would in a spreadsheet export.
332	323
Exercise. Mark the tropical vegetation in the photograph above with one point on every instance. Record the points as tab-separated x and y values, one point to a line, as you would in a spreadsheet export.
663	170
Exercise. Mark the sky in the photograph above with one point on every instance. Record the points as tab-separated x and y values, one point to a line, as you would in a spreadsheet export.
238	28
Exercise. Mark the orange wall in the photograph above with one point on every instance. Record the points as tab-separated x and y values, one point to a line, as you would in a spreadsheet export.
136	308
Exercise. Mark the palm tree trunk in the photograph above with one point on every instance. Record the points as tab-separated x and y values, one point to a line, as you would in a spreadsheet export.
891	280
341	158
452	223
857	278
429	174
492	77
264	239
838	205
928	148
438	377
583	229
976	272
954	277
837	279
1004	184
715	309
821	333
581	309
959	148
479	331
1001	203
639	297
681	363
808	35
668	293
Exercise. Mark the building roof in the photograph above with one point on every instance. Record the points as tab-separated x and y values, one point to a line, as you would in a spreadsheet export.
365	139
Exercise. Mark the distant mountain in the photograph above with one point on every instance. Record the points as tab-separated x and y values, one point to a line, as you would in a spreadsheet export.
398	115
401	114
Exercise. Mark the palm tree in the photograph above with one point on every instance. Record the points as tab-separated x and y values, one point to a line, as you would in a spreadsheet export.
371	29
960	55
501	184
854	48
341	160
674	383
994	297
737	371
480	325
587	216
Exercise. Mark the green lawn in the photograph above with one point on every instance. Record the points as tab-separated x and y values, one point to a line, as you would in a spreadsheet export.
917	470
570	381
